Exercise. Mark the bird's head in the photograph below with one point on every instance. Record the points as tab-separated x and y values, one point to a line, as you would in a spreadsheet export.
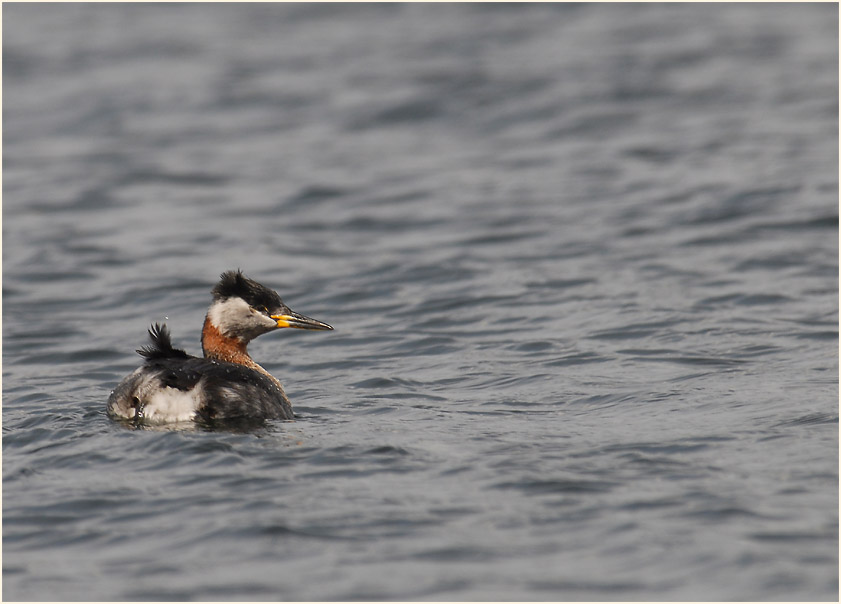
244	309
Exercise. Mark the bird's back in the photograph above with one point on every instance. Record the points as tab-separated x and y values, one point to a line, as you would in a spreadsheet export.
175	386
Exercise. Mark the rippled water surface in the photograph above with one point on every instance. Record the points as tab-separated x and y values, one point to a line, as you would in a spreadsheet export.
582	261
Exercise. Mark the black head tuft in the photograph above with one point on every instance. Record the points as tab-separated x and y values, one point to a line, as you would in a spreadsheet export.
233	284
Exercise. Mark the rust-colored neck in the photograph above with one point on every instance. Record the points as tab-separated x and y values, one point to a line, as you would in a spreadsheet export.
217	346
220	347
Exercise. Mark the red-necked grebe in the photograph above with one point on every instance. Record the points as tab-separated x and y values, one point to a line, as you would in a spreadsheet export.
173	386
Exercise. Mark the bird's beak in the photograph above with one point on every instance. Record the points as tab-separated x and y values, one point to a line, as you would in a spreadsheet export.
293	319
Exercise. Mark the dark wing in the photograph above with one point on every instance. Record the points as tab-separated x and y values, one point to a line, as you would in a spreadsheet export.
225	390
228	390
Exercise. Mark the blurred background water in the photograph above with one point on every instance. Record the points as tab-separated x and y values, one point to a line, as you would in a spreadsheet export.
582	261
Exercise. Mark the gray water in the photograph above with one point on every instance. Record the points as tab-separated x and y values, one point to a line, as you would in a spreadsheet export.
582	261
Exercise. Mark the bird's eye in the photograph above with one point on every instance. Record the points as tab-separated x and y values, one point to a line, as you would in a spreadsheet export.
264	309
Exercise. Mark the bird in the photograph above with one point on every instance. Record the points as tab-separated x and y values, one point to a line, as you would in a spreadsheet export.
226	383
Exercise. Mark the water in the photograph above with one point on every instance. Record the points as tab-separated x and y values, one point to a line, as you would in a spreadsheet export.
582	261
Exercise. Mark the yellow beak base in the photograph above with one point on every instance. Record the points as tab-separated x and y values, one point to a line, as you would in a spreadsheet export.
293	319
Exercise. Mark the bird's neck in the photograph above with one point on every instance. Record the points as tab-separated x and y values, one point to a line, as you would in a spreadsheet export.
220	347
217	346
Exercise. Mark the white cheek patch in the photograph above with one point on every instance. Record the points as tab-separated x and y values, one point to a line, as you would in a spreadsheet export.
264	320
230	312
234	317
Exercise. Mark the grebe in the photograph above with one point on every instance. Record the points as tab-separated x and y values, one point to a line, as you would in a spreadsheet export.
173	386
